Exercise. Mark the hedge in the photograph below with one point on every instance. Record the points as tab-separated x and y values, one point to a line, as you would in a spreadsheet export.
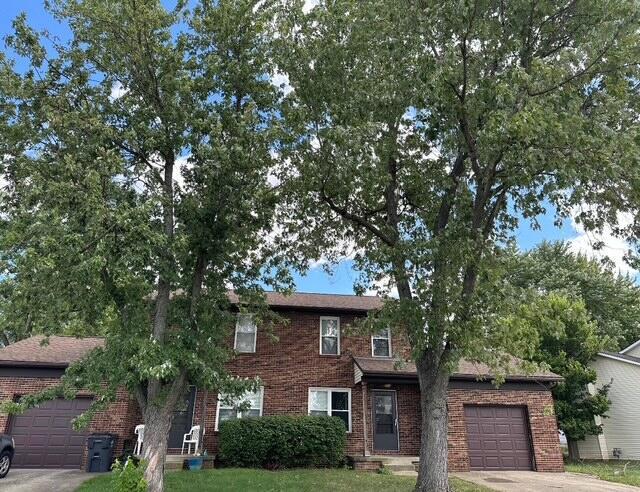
283	442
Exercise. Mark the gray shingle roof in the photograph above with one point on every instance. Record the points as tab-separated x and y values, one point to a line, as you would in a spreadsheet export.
334	302
59	352
466	370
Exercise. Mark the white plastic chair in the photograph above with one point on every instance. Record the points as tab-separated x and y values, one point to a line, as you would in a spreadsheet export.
139	431
191	437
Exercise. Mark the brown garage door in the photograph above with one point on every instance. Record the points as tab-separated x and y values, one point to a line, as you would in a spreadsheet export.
498	438
44	436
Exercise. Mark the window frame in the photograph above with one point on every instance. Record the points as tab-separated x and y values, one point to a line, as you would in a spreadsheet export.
255	335
374	336
239	413
337	319
329	409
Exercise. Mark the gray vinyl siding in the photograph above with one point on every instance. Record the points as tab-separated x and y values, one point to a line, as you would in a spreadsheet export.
622	427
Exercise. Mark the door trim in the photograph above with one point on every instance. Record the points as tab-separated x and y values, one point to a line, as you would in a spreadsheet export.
373	419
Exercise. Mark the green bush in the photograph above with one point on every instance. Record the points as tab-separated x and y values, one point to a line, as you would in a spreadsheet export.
283	442
128	477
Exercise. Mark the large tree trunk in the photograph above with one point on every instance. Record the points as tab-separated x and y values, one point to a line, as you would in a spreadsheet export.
572	446
434	379
157	422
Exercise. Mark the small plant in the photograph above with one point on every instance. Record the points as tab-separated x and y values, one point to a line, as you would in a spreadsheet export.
384	471
128	477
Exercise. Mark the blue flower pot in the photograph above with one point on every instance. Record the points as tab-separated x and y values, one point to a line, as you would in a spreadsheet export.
194	463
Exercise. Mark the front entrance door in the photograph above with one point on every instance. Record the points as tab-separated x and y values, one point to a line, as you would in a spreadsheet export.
182	419
385	421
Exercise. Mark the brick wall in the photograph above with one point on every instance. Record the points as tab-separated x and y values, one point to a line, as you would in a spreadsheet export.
542	421
118	419
290	366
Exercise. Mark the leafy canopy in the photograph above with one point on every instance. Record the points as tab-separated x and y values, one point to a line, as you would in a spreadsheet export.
419	137
136	159
567	340
611	299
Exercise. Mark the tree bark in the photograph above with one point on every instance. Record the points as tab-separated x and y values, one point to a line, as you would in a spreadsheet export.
434	379
574	453
157	422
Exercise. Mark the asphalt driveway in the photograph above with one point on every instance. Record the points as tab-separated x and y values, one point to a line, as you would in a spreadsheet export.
523	481
43	480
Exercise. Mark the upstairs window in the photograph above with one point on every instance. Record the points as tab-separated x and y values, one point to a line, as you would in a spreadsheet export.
331	402
381	343
229	409
329	336
246	330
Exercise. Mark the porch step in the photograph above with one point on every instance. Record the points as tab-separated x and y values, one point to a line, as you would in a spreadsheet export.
177	461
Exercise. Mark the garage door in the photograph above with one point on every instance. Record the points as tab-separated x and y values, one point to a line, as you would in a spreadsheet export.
44	436
498	438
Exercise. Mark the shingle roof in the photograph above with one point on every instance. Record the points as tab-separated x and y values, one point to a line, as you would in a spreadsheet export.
59	352
466	370
333	302
619	355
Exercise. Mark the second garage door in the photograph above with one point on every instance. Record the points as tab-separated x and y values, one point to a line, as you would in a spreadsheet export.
498	438
44	436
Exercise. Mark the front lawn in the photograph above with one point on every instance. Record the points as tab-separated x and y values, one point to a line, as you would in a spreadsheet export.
613	471
241	480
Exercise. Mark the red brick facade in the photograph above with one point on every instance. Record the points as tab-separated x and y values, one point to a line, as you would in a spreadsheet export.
119	418
290	366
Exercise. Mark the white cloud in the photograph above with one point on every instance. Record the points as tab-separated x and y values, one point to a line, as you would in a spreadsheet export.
309	5
614	248
281	80
383	287
117	91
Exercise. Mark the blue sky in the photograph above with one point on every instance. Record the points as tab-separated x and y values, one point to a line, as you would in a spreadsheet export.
343	276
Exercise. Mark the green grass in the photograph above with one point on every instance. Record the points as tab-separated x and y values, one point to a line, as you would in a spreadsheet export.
241	480
613	471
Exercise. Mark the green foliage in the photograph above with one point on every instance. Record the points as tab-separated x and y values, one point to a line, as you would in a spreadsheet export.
568	340
136	163
128	477
432	152
612	300
283	442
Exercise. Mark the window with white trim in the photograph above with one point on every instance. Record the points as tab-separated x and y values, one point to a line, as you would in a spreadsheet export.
246	331
229	409
381	343
329	336
332	402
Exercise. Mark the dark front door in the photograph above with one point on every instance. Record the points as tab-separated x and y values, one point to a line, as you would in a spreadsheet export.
498	438
45	437
385	421
182	419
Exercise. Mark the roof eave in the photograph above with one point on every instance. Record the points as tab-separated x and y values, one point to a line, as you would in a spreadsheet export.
31	363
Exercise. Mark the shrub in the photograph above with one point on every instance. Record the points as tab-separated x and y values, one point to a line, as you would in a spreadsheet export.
283	442
128	477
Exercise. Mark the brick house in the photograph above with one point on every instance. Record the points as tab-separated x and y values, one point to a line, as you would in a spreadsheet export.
318	367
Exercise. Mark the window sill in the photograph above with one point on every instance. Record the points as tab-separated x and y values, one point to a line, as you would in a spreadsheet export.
330	355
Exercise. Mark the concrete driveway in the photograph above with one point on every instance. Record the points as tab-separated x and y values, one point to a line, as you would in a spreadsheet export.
44	480
524	481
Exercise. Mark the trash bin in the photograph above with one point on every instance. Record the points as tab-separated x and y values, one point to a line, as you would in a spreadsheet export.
100	452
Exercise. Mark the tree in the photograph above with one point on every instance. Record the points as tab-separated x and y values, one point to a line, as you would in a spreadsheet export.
136	158
568	340
611	299
421	133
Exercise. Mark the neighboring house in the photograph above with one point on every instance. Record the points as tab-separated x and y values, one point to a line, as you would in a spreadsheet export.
315	368
621	429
